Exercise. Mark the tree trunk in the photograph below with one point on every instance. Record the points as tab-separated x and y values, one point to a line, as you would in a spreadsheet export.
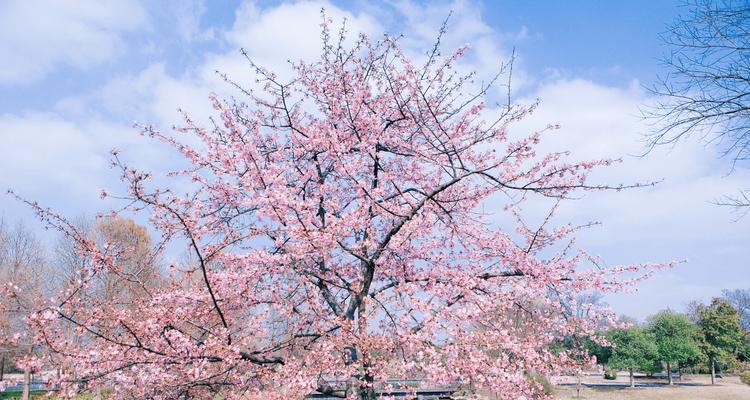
367	393
2	367
26	384
98	393
669	374
366	390
632	382
26	394
713	371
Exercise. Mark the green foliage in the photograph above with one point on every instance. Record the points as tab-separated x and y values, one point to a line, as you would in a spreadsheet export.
610	374
601	353
743	350
576	344
676	337
633	348
720	327
17	395
655	366
745	377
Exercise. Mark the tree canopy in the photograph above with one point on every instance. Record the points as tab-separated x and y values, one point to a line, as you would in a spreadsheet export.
721	332
633	348
676	338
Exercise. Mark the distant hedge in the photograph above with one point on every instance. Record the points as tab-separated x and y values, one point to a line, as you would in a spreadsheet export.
745	377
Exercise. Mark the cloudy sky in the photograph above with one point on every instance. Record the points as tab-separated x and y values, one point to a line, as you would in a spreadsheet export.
76	74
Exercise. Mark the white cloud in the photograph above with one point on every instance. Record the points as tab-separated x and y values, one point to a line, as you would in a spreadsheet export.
50	154
37	37
287	32
188	14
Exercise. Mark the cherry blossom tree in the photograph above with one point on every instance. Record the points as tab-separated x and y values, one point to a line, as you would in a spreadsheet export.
341	235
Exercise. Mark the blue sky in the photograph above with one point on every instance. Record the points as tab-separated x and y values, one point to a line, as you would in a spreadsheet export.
76	74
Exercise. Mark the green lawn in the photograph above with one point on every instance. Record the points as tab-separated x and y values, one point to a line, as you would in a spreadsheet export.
17	395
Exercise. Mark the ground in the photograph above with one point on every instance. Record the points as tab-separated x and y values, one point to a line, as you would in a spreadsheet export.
691	388
694	387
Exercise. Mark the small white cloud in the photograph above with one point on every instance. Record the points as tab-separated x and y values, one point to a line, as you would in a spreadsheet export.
49	154
292	31
188	15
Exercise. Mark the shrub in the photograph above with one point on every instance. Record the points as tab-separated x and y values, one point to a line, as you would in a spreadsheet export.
610	374
745	377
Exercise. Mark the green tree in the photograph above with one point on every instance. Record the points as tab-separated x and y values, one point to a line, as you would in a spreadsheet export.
721	332
743	350
675	337
602	353
633	349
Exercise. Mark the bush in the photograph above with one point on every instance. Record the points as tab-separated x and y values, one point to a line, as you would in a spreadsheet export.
745	377
610	374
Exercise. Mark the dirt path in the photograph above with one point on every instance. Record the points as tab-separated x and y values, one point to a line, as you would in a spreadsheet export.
696	388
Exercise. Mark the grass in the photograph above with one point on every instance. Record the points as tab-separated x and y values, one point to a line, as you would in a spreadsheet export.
17	395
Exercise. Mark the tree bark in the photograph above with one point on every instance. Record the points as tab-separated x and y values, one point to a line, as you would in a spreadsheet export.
366	389
26	384
366	392
669	374
713	371
26	394
2	367
632	382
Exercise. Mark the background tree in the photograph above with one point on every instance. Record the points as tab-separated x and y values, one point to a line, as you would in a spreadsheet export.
633	348
137	274
25	286
138	269
675	337
721	332
743	351
740	300
341	206
706	91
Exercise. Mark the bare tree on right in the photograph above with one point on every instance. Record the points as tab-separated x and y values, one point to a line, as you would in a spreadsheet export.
706	91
